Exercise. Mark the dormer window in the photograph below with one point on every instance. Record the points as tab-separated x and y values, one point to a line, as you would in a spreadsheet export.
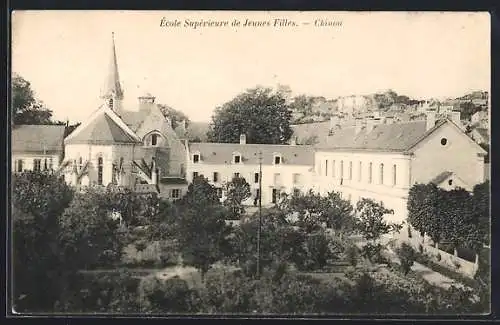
277	159
154	139
236	158
196	158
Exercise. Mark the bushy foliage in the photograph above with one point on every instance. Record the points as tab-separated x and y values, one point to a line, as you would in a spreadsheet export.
237	191
406	255
260	113
38	199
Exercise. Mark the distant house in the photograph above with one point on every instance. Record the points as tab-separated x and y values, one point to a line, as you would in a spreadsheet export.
37	147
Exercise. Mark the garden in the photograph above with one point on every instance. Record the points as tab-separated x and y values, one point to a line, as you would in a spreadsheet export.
161	257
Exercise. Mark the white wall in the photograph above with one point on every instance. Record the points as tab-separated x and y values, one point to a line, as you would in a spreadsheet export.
28	160
247	171
459	155
393	195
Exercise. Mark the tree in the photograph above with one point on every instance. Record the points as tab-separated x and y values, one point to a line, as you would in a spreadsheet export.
481	205
237	191
38	199
259	113
200	228
424	212
26	109
372	225
314	210
406	256
174	115
89	236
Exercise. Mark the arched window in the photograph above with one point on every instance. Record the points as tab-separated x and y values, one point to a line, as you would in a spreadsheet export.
80	163
370	173
326	167
360	171
341	169
154	139
333	168
381	178
350	170
99	171
394	177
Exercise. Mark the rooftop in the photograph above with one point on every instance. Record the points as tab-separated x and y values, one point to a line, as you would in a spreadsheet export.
38	138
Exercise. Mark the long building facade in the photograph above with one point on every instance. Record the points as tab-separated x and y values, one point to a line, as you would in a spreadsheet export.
375	158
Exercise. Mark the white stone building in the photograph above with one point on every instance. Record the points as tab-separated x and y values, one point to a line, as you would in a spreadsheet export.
37	147
382	161
284	167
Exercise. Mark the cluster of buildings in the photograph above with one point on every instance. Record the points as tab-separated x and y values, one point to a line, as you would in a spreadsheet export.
375	156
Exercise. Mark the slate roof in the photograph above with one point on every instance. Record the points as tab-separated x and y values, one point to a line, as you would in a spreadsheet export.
161	157
194	130
134	119
222	153
38	138
307	130
102	130
441	177
383	137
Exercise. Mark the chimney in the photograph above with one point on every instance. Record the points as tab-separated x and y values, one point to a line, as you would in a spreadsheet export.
243	139
370	124
146	101
431	119
359	123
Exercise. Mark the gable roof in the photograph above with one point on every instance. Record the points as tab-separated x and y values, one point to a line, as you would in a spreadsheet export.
441	177
38	138
103	129
305	131
222	153
134	119
383	137
195	130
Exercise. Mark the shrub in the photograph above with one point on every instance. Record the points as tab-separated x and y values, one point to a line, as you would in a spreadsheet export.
352	254
406	255
159	296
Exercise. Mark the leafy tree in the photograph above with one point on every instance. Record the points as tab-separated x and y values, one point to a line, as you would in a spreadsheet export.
237	191
313	210
424	210
259	113
174	115
26	109
38	199
89	237
201	230
406	255
372	225
481	206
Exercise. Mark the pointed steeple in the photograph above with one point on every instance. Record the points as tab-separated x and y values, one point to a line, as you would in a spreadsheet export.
112	91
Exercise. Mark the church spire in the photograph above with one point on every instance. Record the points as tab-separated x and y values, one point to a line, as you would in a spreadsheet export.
112	91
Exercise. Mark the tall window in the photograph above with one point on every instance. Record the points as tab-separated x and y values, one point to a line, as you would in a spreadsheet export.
350	170
51	163
99	170
326	167
216	177
394	173
45	165
20	165
176	193
296	178
277	178
276	194
196	158
360	170
37	164
195	174
342	169
80	163
277	160
237	159
333	168
370	173
381	178
256	178
154	139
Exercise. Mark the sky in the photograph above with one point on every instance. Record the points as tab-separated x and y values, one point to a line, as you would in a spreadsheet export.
65	56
